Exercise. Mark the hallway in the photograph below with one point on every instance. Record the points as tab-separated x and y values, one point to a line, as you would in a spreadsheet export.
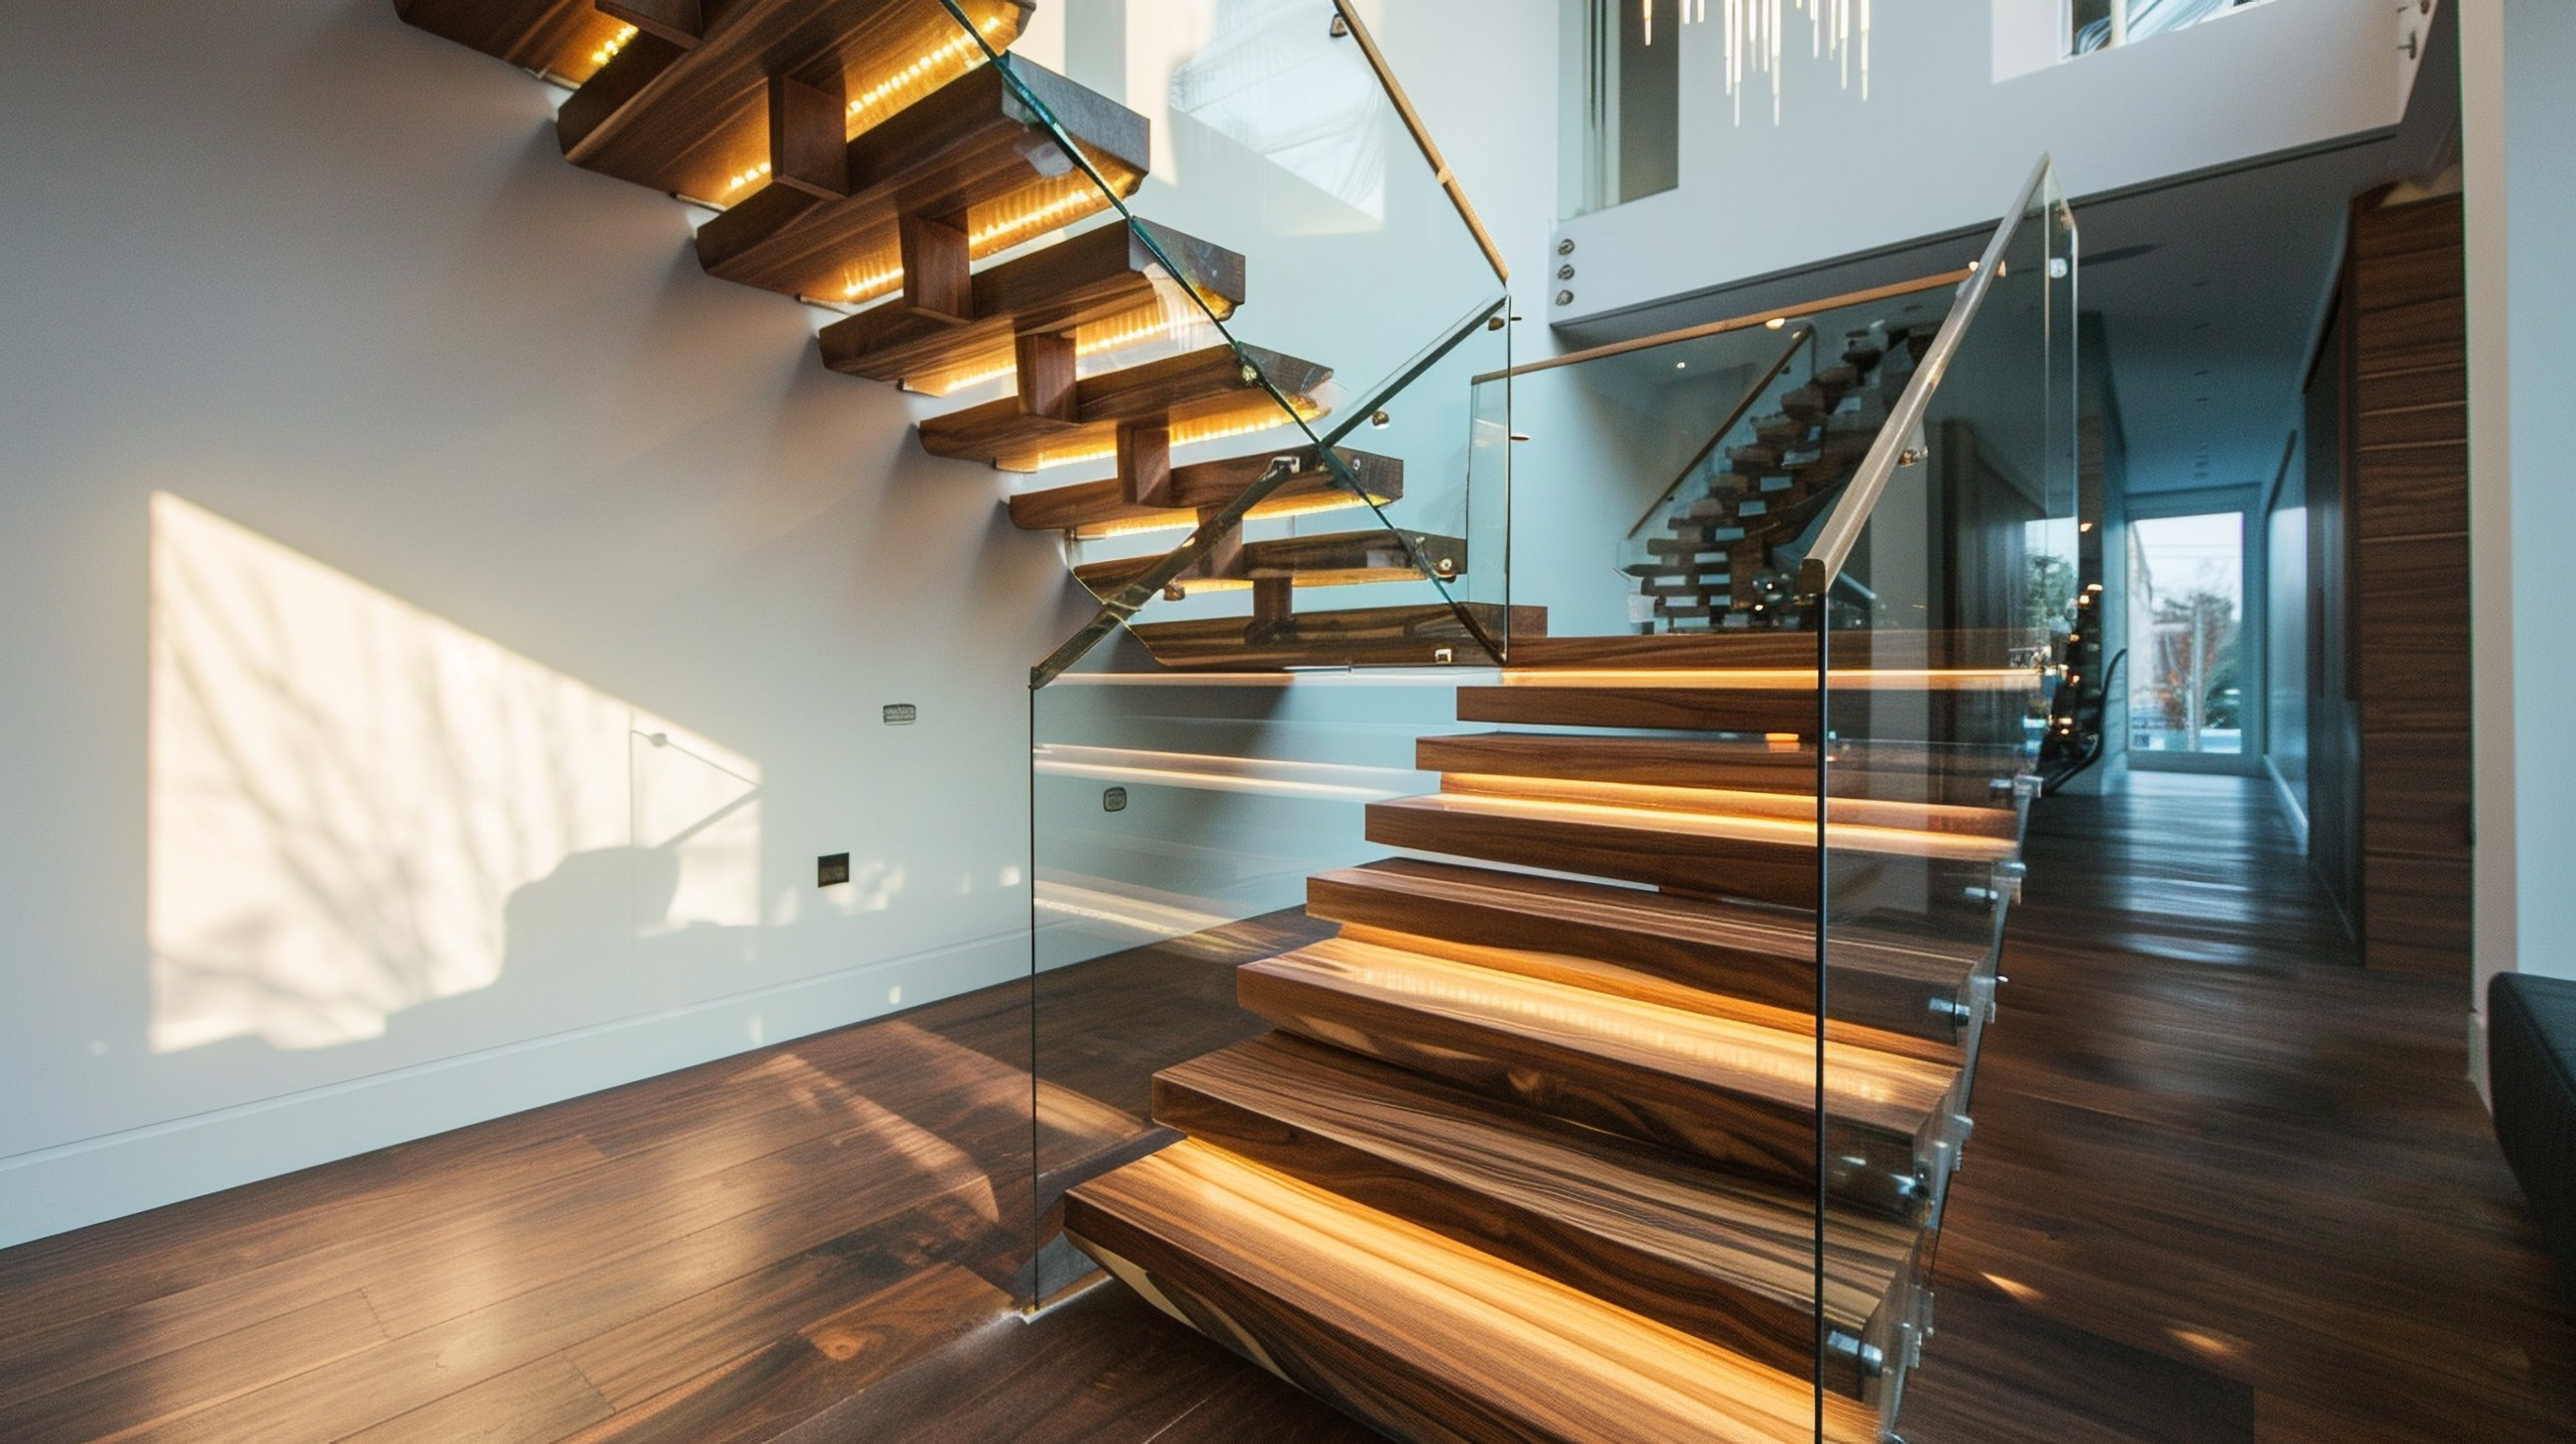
2226	1185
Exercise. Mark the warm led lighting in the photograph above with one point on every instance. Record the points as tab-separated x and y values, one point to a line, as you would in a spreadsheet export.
1213	428
1776	322
737	182
872	284
1071	205
608	49
964	48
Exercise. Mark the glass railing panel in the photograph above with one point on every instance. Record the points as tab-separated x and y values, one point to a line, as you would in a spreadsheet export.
1948	576
1358	549
1175	819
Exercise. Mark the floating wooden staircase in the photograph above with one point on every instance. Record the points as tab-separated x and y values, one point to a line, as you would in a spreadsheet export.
1506	1104
1536	1150
860	153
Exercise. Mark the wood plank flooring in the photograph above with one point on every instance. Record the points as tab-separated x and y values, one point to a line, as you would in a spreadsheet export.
2226	1186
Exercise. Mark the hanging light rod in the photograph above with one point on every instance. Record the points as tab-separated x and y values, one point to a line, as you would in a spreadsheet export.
1753	39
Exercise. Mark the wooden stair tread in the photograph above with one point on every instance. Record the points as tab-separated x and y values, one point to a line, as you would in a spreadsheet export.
561	38
969	149
1332	560
1206	387
1730	1260
1765	956
1421	1336
1869	816
689	114
1736	1093
1101	508
1750	648
1960	775
1767	859
1104	274
1361	636
1750	699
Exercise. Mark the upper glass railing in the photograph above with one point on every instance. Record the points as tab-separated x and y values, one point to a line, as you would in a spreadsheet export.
1272	459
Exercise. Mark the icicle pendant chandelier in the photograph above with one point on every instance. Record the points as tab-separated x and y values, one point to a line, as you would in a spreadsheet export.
1753	31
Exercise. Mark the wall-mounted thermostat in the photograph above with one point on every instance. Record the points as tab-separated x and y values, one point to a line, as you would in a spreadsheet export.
832	871
1113	799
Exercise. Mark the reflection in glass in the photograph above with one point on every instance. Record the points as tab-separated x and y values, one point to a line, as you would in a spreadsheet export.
2186	588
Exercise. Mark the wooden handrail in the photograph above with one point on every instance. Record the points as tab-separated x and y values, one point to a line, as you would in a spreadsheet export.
1782	314
1350	18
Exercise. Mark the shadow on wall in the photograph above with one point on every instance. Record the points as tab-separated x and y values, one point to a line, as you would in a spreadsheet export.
356	808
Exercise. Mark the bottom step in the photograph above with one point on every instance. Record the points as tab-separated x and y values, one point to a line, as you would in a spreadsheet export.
1425	1338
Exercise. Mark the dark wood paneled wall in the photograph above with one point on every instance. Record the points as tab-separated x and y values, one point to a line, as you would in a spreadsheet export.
2409	557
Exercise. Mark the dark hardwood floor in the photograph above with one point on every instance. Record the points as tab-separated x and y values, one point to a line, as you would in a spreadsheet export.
2225	1186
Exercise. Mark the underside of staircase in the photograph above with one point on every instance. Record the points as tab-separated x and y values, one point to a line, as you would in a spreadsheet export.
1550	1142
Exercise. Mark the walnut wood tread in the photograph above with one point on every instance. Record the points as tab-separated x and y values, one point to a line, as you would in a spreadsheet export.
1958	775
1735	1093
1424	1338
1208	392
968	169
1708	854
685	106
1430	635
566	39
1094	509
1728	1260
1339	559
1921	987
1106	274
1746	699
1750	648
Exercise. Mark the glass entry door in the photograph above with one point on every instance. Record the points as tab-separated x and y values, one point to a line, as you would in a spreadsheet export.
2189	677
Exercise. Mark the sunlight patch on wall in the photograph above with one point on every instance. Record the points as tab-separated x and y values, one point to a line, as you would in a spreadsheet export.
357	807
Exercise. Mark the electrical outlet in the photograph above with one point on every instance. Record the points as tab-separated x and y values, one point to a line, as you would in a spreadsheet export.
1113	799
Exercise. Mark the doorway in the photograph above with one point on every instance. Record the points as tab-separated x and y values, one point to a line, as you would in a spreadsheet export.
2194	693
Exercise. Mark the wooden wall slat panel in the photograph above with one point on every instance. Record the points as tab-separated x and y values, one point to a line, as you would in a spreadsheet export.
2407	478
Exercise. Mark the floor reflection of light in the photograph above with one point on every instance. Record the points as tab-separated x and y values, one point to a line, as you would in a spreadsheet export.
357	807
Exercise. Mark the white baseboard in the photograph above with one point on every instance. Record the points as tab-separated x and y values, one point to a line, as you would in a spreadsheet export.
2296	815
71	1185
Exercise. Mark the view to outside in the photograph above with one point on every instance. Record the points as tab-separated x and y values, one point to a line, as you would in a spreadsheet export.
2186	603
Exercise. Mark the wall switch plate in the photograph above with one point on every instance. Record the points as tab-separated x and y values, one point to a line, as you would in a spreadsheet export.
1113	799
901	714
832	870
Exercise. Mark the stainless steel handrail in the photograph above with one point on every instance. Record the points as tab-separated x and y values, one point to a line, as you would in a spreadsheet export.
1824	560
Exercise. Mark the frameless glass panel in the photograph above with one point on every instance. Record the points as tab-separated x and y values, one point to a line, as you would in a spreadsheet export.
2186	613
1938	630
1176	819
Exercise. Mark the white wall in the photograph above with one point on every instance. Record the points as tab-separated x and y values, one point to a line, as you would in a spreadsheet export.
2518	102
471	481
1942	142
